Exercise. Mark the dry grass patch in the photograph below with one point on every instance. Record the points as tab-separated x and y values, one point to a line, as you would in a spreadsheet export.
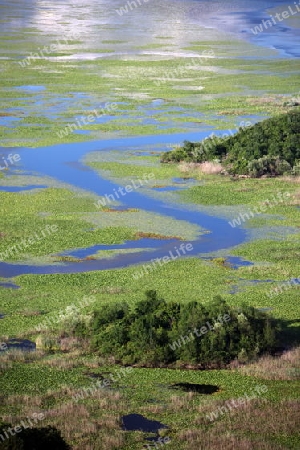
94	423
285	367
291	179
153	409
210	168
205	168
198	440
187	167
177	403
259	424
62	362
296	198
20	356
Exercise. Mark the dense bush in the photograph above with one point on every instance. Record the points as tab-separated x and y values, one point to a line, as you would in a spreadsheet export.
268	165
159	333
270	147
209	149
47	438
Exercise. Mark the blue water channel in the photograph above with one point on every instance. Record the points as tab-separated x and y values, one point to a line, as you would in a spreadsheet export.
56	161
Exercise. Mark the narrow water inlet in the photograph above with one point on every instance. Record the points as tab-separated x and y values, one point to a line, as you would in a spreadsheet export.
9	285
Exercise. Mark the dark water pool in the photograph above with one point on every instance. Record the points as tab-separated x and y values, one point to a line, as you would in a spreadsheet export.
137	422
205	389
20	344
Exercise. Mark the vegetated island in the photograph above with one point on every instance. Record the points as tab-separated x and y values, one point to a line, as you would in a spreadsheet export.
268	148
157	333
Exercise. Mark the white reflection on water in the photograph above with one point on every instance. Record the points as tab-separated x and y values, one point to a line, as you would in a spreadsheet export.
182	21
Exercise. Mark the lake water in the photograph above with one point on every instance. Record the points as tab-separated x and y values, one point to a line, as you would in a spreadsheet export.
180	21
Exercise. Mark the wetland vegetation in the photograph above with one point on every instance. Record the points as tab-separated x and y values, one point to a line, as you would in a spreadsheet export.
80	344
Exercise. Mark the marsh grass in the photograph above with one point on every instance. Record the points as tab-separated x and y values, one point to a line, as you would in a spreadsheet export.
31	313
210	168
222	190
189	168
97	418
21	218
257	424
63	362
285	367
227	75
85	426
291	179
20	356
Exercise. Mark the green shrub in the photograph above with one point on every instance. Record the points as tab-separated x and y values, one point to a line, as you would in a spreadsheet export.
268	165
296	169
157	332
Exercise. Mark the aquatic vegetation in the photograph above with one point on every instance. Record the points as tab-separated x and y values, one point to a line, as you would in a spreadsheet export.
141	235
125	170
146	222
152	81
220	190
66	259
65	211
114	253
221	262
116	210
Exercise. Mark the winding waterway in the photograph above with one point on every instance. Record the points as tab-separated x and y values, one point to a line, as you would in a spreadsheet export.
56	162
